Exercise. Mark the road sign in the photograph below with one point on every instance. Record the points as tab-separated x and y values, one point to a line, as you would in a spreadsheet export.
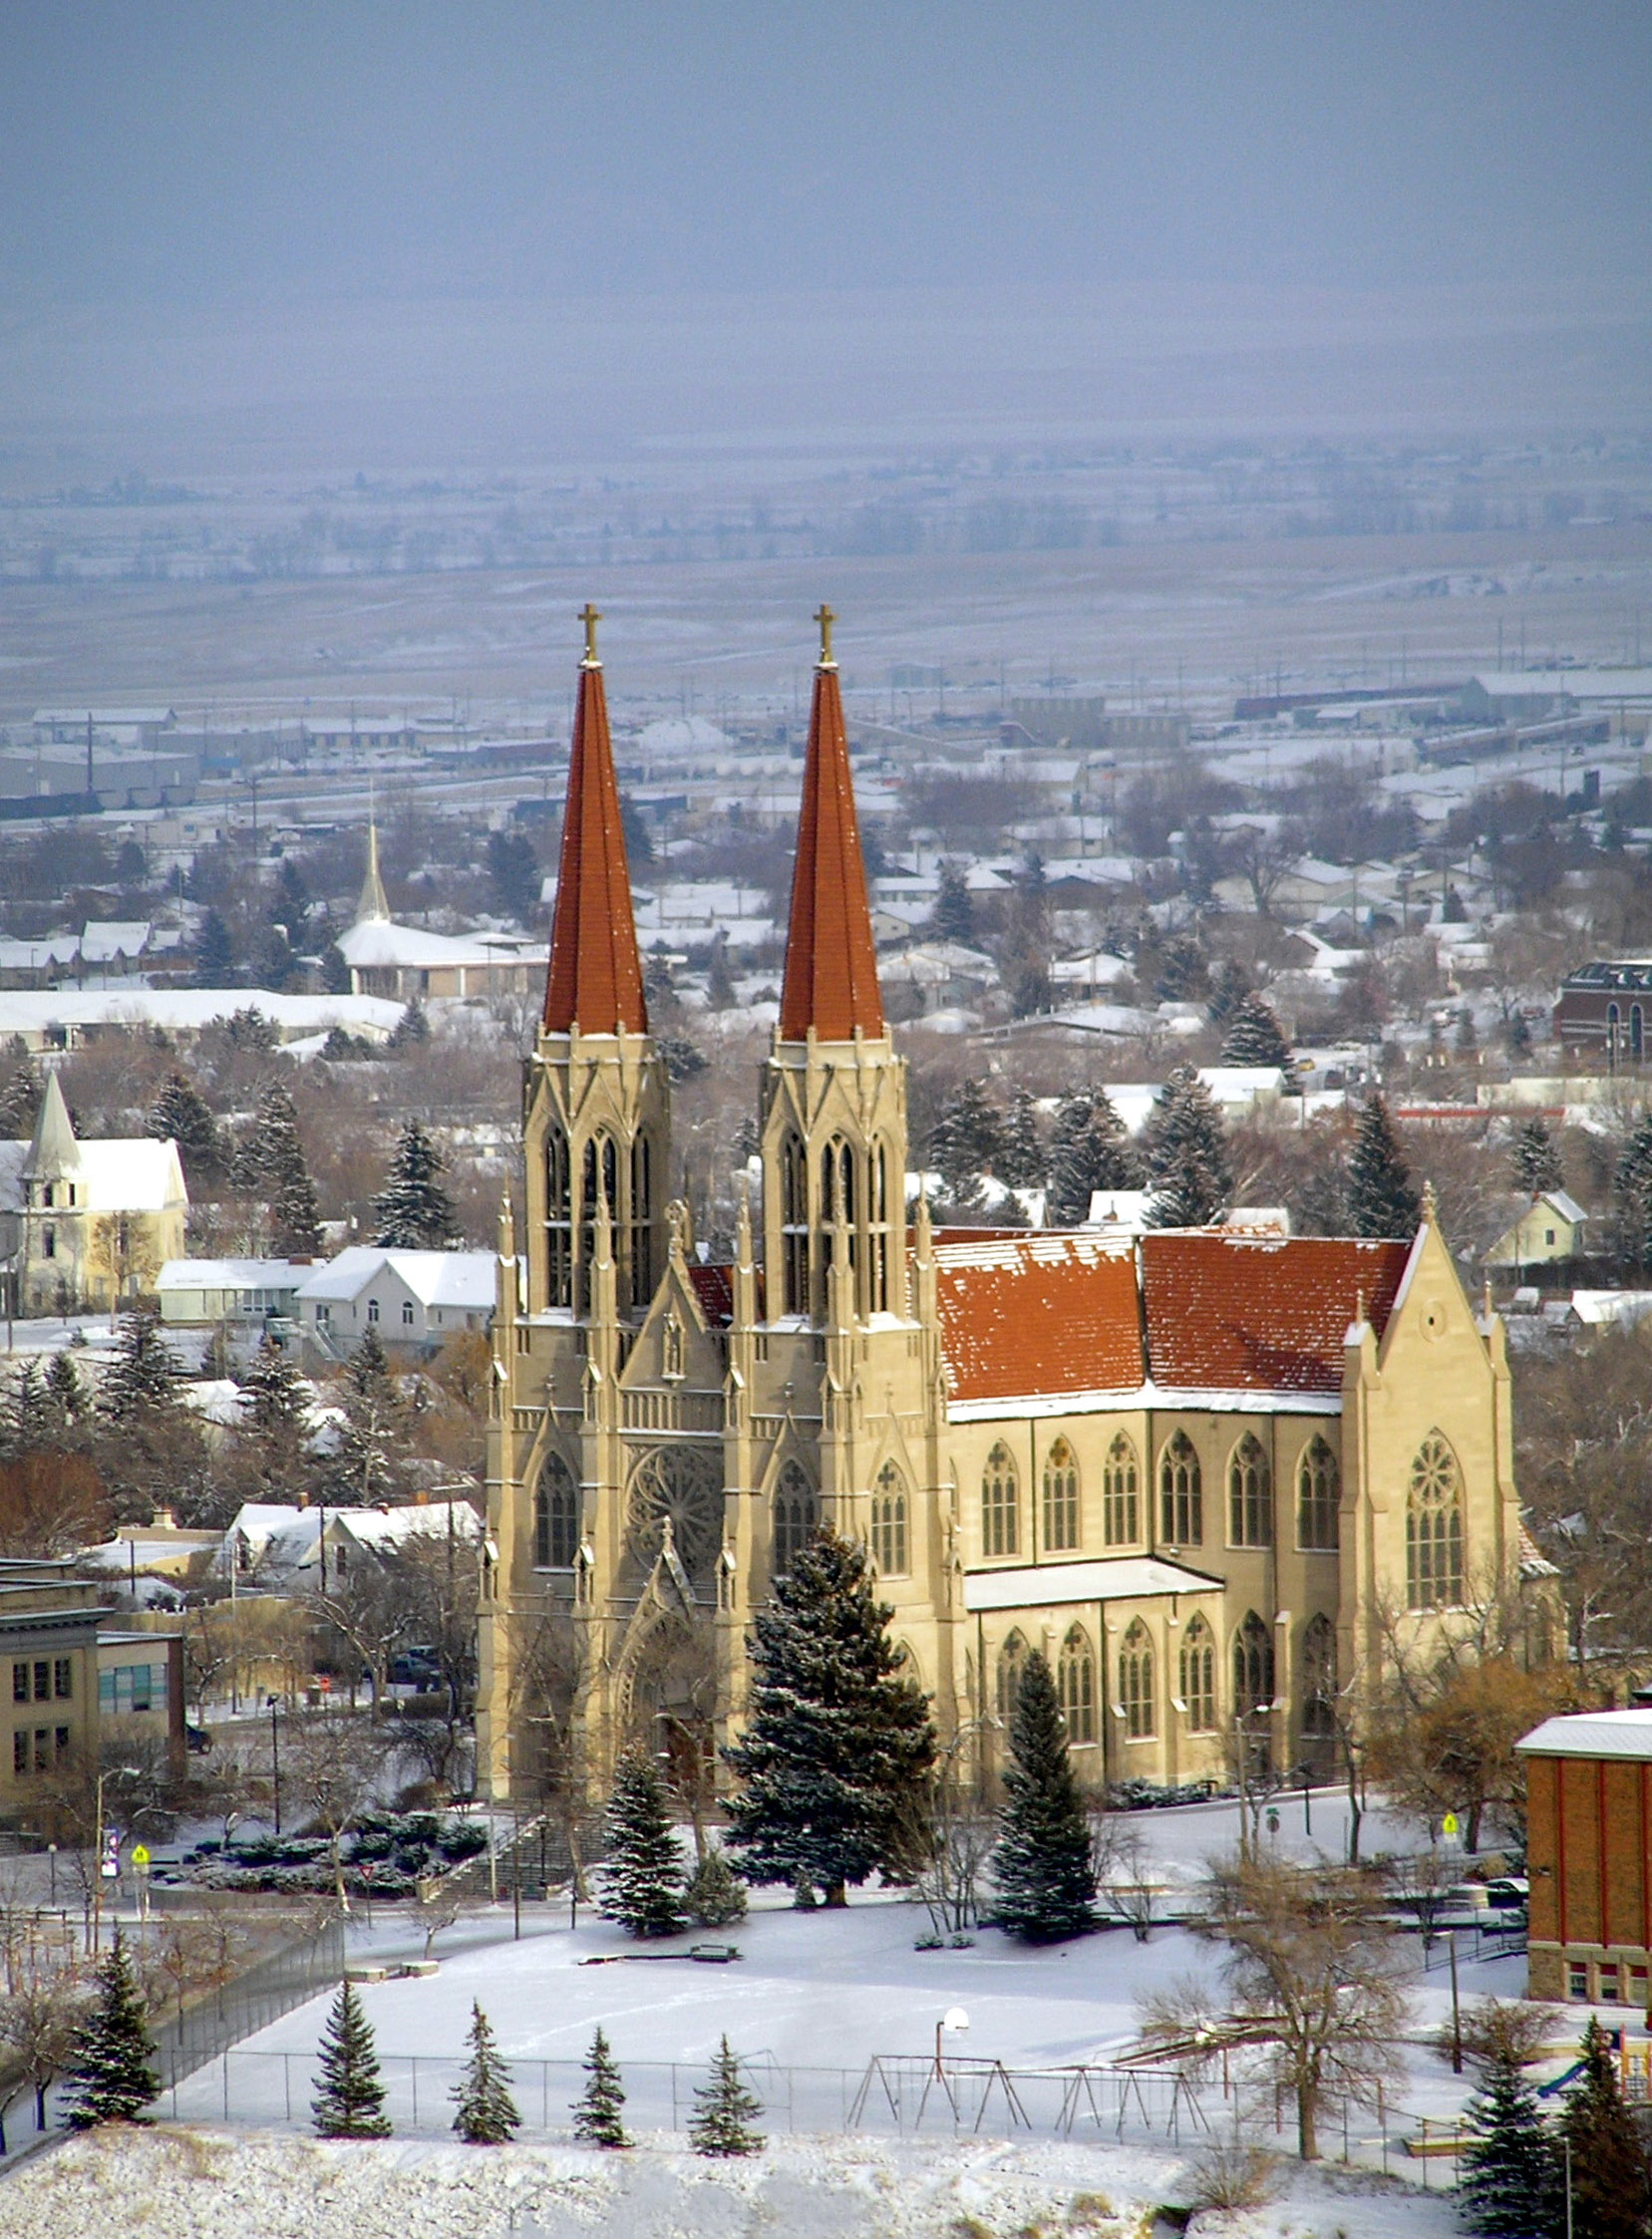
1448	1826
140	1858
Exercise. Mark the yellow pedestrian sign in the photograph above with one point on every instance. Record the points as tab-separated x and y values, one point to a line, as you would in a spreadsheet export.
140	1857
1448	1829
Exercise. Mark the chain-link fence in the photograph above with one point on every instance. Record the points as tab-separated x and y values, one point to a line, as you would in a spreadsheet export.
249	2002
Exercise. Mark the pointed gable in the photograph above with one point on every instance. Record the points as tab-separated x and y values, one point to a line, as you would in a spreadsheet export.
1235	1313
595	975
55	1148
830	961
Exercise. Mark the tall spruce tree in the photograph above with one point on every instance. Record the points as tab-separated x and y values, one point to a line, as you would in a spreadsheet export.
1511	2170
1610	2196
144	1376
411	1029
715	1896
641	1877
1535	1160
182	1113
110	2073
1088	1150
215	952
1632	1195
1231	983
350	2102
599	2108
1381	1199
21	1094
275	1421
967	1143
368	1452
271	1165
1255	1035
839	1742
1024	1163
1186	1152
724	2112
413	1212
953	916
1046	1883
487	2114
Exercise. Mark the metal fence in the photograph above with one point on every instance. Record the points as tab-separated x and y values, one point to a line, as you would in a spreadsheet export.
271	1987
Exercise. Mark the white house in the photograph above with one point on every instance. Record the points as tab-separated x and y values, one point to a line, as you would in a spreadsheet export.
410	1298
195	1291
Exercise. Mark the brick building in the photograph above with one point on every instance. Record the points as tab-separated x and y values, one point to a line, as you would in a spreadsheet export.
1588	1784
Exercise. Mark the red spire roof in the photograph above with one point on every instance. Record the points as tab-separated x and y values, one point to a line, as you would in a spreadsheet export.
595	972
831	962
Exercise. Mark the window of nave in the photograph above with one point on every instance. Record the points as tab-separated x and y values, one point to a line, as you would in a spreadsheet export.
1061	1500
1253	1667
1075	1685
794	1202
1198	1676
1250	1494
1181	1494
794	1517
1000	1504
1136	1683
1120	1514
888	1521
1318	1499
1317	1688
1012	1664
1433	1527
556	1516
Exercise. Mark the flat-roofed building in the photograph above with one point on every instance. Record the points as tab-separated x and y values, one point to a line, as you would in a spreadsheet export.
1589	1781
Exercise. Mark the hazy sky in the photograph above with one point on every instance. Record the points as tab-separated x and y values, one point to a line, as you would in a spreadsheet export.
226	150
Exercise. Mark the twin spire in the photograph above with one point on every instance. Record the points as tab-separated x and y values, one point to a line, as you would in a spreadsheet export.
596	976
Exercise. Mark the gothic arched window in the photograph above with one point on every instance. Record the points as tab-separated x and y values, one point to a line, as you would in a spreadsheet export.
1121	1517
1136	1683
877	1272
1318	1497
600	1158
1318	1692
1433	1527
1076	1686
681	1485
558	1221
1000	1504
889	1523
793	1209
1252	1666
1012	1666
794	1517
1250	1494
1061	1500
1198	1676
1180	1494
555	1515
642	1233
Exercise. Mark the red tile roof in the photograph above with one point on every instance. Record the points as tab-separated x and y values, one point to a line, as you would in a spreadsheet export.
1036	1315
595	975
1254	1314
714	1288
831	962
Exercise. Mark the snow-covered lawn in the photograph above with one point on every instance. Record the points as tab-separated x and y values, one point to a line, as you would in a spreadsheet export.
202	2184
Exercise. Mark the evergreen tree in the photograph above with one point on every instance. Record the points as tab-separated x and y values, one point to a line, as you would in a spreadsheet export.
350	2102
1632	1192
411	1029
514	870
1510	2171
148	1442
144	1378
214	953
837	1741
335	972
180	1113
1046	1883
367	1457
487	2113
642	1874
275	1421
1231	983
724	2112
1186	1152
1023	1163
716	1896
597	2110
68	1401
1254	1035
1381	1200
1088	1150
967	1143
21	1094
953	916
1609	2189
719	979
271	1165
413	1211
1535	1160
110	2075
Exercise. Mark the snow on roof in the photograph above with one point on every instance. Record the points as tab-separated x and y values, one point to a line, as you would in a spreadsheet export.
118	1175
32	1010
102	941
1037	1314
1564	1204
1261	1313
388	1529
1615	1733
457	1279
1597	1308
232	1274
377	943
1048	1585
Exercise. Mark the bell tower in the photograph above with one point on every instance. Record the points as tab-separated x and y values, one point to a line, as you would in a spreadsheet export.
596	1110
833	1097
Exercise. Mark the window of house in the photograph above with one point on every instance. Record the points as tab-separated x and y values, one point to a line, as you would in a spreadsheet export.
1121	1520
323	1315
407	1313
1549	1236
1061	1499
48	1196
1180	1494
1198	1676
794	1517
1433	1527
1136	1683
1608	1983
42	1678
1076	1686
20	1754
1250	1494
62	1679
1000	1504
1318	1497
1637	1986
372	1310
889	1523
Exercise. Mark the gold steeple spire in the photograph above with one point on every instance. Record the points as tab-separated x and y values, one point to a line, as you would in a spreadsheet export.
824	616
590	616
373	908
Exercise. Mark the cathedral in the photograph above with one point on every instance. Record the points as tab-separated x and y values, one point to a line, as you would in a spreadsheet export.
1205	1473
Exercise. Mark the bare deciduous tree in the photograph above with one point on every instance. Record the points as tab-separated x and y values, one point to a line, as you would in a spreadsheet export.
332	1760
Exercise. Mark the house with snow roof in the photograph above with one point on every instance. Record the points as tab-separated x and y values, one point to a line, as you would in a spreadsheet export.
86	1222
1208	1476
418	1298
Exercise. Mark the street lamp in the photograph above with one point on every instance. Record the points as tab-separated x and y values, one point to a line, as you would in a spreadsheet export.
954	2022
275	1758
109	1771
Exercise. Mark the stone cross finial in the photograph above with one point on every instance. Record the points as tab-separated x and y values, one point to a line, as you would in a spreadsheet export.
824	616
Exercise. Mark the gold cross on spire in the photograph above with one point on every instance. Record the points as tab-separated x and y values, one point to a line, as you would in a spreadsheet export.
826	618
590	617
